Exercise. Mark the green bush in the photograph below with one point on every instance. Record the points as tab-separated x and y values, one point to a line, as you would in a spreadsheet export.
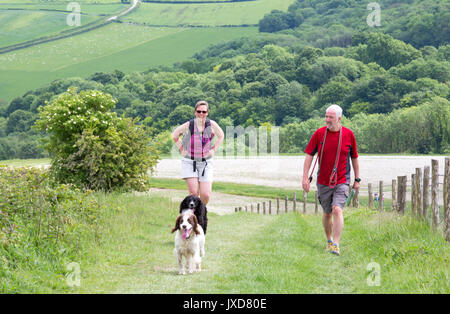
43	227
91	146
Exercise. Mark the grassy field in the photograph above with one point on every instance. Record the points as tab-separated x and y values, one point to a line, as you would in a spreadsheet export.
121	243
127	47
249	253
151	47
210	14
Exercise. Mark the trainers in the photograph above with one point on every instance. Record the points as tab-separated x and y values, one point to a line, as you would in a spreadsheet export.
335	249
329	245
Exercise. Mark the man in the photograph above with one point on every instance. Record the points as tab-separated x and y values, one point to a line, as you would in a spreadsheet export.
336	146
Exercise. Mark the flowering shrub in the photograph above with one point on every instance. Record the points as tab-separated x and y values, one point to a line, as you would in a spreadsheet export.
91	146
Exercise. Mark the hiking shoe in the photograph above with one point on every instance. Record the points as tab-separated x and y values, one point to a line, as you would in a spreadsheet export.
329	245
335	249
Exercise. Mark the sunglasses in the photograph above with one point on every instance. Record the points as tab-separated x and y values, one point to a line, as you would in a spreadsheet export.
201	111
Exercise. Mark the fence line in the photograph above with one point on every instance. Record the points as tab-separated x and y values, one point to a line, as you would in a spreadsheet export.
420	205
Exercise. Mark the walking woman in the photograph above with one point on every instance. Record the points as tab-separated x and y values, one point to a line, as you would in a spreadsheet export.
197	150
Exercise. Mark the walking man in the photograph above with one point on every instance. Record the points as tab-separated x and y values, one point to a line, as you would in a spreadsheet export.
335	146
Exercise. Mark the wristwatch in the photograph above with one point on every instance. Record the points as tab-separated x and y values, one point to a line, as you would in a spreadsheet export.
357	179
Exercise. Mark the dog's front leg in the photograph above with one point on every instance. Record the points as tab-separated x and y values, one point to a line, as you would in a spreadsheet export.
190	263
180	265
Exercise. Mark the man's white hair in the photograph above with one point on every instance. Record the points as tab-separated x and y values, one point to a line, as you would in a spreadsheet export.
335	108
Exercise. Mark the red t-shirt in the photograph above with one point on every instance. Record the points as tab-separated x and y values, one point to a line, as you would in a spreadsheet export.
348	150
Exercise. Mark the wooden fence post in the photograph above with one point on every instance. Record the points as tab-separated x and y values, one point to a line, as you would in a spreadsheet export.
435	192
419	200
270	207
370	195
258	208
447	199
294	202
401	194
394	195
413	195
264	208
286	203
316	208
426	192
381	197
356	198
278	205
304	201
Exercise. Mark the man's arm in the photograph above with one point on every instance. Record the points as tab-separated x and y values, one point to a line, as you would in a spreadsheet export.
355	164
306	165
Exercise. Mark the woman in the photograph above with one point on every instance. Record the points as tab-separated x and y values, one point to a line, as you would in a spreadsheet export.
197	150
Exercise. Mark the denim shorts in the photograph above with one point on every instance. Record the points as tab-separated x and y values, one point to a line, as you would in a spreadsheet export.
332	197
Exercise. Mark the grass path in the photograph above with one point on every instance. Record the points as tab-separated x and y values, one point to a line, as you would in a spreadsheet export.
249	253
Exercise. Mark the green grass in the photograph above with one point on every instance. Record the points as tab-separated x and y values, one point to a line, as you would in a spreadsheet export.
210	14
74	57
19	26
248	253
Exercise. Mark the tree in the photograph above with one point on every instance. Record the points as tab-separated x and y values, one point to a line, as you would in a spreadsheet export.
387	51
91	146
19	121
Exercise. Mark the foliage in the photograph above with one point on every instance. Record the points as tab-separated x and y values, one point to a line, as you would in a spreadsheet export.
91	146
42	226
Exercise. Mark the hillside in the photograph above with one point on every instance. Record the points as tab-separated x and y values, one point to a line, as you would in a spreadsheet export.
282	79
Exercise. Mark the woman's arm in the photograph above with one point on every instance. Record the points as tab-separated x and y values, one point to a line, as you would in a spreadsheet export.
176	135
220	136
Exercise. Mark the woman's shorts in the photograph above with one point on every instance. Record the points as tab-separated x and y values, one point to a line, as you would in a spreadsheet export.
203	171
332	197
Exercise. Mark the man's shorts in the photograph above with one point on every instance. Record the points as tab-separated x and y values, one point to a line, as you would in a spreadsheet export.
332	197
187	169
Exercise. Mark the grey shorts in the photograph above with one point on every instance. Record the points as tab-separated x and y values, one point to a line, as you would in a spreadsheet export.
332	197
187	169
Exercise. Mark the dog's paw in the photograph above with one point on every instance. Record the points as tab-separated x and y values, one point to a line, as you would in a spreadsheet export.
181	272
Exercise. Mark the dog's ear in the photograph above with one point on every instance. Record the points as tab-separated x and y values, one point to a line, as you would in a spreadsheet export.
194	222
177	224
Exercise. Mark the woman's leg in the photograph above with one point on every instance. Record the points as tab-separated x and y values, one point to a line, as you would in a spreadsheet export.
192	184
205	191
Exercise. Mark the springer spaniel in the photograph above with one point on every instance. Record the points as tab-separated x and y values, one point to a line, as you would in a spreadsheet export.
194	204
189	242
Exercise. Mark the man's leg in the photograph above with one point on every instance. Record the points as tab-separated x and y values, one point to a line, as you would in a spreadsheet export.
327	221
338	223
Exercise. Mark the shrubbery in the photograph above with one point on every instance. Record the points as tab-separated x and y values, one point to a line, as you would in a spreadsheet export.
42	225
91	146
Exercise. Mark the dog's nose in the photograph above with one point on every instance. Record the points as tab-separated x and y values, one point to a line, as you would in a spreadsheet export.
183	226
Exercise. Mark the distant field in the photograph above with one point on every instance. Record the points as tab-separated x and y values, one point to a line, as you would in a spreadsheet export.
6	2
157	46
153	34
210	14
18	26
86	8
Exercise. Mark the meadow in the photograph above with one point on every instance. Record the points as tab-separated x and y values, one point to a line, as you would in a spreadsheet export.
209	14
245	253
127	46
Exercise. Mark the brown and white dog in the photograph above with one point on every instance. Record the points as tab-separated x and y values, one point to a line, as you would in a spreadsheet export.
189	242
